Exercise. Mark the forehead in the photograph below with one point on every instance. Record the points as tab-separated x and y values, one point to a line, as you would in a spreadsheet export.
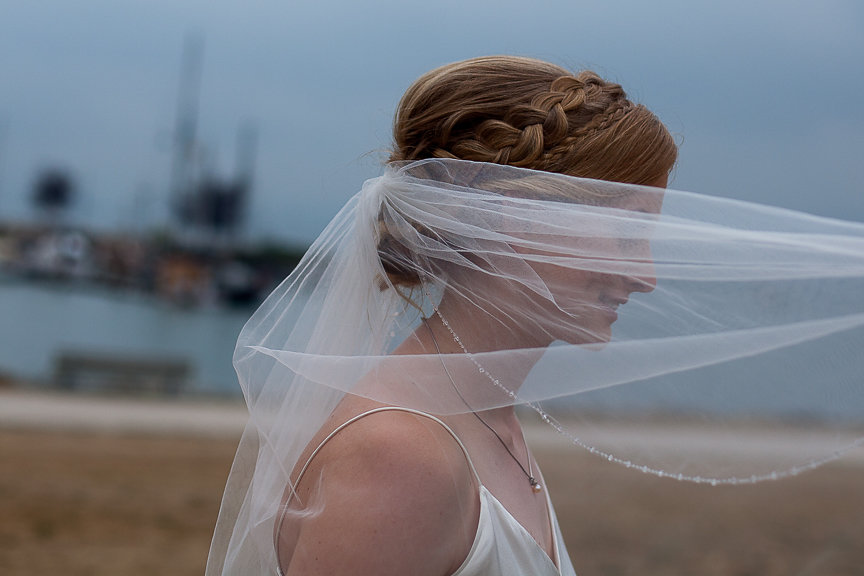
646	200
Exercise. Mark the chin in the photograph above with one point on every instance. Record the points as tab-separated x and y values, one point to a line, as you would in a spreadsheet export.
596	336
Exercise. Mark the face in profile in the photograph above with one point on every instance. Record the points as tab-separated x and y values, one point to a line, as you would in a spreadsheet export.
585	283
556	260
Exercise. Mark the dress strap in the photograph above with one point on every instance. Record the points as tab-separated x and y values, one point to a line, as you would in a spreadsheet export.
389	409
283	512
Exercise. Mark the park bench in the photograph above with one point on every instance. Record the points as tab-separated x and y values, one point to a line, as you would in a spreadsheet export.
77	370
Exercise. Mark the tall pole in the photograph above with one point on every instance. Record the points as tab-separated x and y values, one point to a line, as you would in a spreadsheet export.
247	150
185	129
3	130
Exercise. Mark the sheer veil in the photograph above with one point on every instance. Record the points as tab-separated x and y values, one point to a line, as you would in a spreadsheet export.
681	335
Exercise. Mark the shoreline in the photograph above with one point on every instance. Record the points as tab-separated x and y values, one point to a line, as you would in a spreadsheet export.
183	416
226	418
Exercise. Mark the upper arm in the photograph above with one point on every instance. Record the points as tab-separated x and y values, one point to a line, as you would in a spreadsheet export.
389	495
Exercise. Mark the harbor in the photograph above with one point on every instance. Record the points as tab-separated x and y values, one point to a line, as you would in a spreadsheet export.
43	321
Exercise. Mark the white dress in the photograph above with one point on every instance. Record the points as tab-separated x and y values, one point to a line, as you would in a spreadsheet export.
502	546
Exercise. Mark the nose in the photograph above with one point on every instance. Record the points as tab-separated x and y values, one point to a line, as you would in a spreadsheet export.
646	281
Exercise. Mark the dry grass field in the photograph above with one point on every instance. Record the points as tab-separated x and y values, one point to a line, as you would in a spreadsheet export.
92	504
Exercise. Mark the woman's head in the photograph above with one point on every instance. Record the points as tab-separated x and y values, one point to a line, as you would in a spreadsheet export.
532	114
526	113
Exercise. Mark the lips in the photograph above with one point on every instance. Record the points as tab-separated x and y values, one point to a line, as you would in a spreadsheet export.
613	301
609	306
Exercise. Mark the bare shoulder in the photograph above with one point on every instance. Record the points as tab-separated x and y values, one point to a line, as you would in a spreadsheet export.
405	446
392	493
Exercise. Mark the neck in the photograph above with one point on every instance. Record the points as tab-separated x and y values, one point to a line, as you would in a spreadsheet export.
480	331
487	379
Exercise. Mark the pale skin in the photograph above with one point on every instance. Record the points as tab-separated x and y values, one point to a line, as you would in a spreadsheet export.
394	494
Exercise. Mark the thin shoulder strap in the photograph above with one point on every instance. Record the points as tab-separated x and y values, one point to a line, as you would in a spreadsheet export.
388	409
284	506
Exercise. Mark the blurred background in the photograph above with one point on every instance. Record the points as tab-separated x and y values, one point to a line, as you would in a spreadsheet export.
163	165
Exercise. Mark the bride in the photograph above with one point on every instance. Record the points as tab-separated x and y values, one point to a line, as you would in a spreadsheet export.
485	269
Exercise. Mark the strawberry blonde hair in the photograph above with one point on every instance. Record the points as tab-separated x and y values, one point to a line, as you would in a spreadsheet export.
533	114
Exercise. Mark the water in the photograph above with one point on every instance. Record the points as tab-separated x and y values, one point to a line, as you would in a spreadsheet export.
40	320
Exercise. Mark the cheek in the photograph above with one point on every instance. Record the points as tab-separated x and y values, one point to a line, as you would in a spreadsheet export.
575	281
577	289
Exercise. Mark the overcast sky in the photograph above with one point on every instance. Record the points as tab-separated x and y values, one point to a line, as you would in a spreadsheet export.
765	97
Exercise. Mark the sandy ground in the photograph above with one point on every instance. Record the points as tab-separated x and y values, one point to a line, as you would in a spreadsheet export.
92	486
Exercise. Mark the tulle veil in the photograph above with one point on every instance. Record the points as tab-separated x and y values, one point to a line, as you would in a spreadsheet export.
606	310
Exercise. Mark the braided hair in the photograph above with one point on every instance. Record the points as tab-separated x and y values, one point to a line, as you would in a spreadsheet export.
529	113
